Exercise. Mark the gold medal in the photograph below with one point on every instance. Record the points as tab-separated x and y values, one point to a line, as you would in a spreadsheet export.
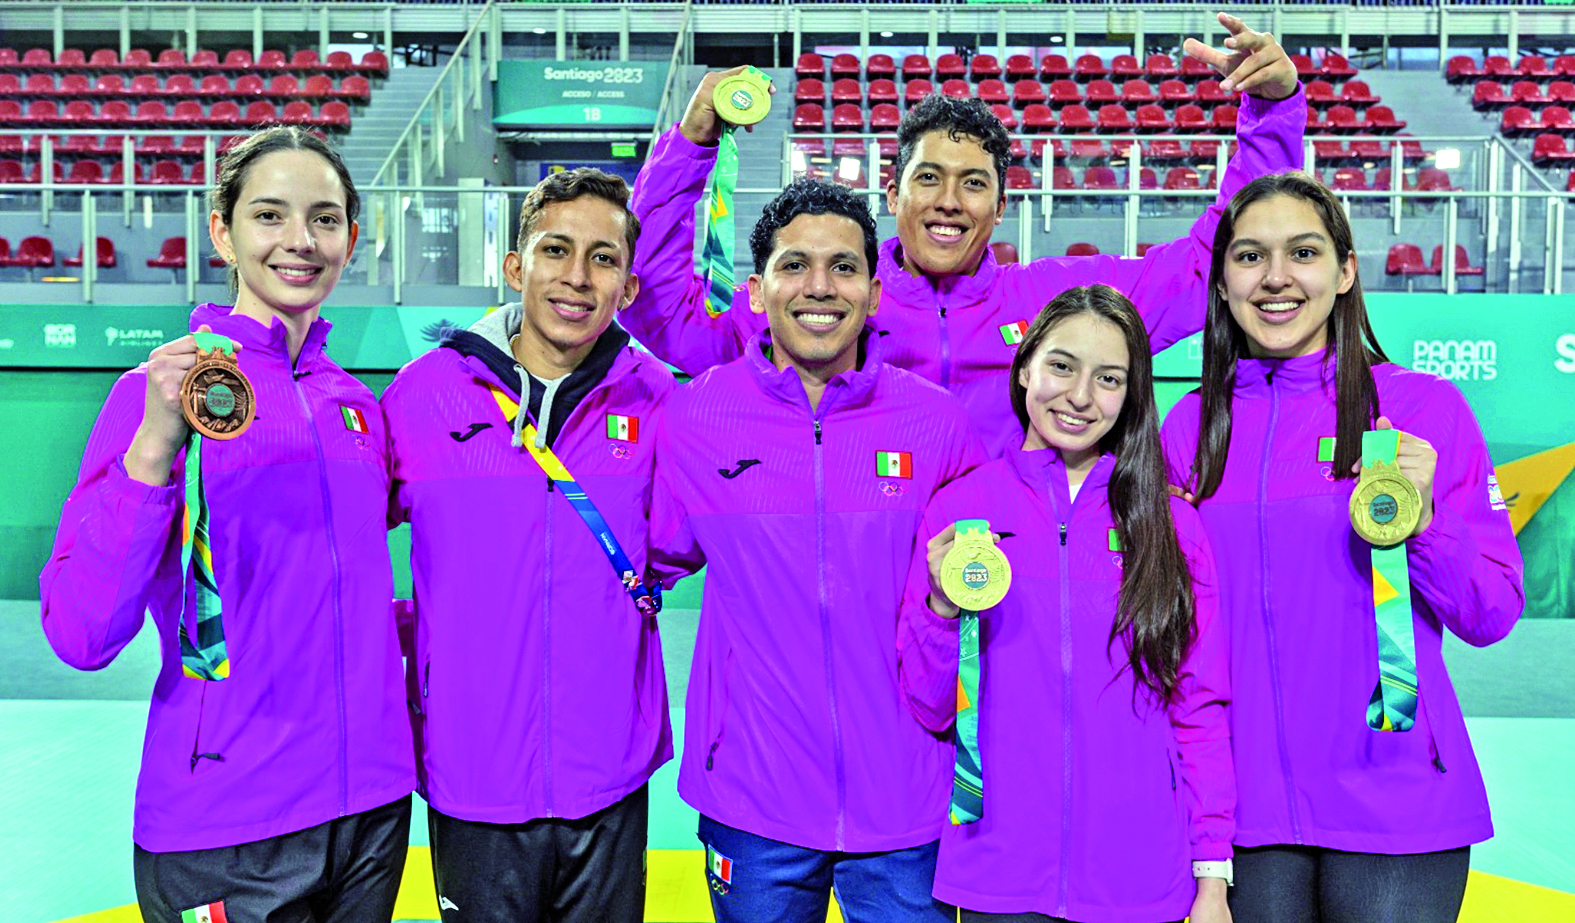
975	575
1385	507
743	99
216	397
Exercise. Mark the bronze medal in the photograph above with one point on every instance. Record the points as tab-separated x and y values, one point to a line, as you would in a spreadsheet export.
975	575
216	397
1385	506
743	99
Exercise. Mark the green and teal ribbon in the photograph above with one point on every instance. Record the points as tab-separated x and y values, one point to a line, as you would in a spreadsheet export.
717	256
207	658
1393	705
967	804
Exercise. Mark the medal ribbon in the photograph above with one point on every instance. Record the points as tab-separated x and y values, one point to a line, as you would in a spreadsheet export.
1393	705
648	600
717	257
207	658
968	774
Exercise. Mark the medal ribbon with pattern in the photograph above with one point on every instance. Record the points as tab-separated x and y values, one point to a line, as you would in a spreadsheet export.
1385	509
206	658
743	99
975	576
648	600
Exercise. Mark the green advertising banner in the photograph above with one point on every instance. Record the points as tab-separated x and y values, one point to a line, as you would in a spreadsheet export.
577	94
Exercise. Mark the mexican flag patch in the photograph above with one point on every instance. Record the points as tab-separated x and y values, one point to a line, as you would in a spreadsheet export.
207	913
1326	448
1014	332
623	429
355	422
894	464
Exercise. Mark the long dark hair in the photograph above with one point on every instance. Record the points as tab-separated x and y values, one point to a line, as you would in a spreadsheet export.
1350	336
1155	615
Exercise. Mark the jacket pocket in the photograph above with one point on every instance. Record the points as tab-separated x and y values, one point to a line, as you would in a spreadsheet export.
719	724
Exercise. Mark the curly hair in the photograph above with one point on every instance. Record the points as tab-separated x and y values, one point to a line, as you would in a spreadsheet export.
958	118
812	197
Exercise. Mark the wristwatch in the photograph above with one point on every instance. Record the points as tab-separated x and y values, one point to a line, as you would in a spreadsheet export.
1218	869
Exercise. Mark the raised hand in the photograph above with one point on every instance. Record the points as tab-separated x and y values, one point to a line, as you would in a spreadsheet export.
163	429
1252	62
700	123
936	552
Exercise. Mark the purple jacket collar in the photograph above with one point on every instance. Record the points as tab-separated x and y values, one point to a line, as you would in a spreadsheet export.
1043	469
1302	373
959	290
272	339
849	388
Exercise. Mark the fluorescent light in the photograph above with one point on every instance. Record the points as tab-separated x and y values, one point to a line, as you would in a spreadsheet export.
885	35
359	35
800	164
1447	159
1055	39
539	31
848	169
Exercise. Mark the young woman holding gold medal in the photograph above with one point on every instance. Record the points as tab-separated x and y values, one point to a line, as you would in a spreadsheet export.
1355	515
236	488
1086	675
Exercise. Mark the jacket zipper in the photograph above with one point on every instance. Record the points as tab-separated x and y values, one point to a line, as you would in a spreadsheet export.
946	344
1268	617
838	759
333	557
546	655
1066	723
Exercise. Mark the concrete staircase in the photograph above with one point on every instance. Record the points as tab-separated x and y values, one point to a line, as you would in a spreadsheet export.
1428	104
375	129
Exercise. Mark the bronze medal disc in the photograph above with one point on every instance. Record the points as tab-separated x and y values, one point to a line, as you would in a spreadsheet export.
1385	507
743	99
216	397
975	574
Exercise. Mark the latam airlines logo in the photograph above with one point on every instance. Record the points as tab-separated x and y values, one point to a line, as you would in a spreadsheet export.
140	337
1457	360
1565	347
60	334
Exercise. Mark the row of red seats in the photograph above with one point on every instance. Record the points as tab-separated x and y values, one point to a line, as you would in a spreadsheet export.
1078	147
163	173
1406	260
1550	150
354	86
114	145
39	253
373	63
1354	179
1023	93
1463	68
1098	178
810	117
1518	120
1050	67
1490	94
1366	149
188	113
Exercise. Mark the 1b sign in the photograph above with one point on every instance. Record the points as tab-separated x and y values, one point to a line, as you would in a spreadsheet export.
577	94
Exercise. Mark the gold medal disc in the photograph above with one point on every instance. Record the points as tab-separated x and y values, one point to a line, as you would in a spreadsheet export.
216	397
1385	507
975	574
743	99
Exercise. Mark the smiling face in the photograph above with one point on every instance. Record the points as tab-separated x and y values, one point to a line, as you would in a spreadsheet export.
816	291
1076	385
572	272
947	202
288	235
1281	276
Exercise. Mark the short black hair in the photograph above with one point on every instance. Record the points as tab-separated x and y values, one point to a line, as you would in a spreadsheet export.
568	185
812	197
957	117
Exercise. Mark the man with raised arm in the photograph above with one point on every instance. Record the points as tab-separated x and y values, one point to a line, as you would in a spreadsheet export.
951	311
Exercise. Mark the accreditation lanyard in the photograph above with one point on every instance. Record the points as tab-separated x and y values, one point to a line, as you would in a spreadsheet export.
718	253
967	805
207	658
1393	704
648	600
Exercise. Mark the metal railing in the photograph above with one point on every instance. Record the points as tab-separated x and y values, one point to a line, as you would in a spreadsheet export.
682	49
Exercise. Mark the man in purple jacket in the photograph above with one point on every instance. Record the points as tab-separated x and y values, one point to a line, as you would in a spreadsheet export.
797	474
952	311
536	682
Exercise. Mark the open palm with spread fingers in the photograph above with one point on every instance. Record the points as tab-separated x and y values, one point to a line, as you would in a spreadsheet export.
1251	62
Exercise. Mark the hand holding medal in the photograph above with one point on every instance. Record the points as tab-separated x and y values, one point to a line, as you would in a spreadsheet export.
1393	499
164	429
215	396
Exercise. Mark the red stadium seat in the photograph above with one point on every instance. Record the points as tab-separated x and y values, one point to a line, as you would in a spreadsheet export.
845	65
880	67
1146	179
1165	150
1224	117
1087	148
75	85
1329	152
144	85
10	84
260	112
39	85
810	90
1406	260
115	112
1064	92
1101	92
374	63
157	144
1564	65
1524	91
318	86
1358	93
1101	178
224	113
204	59
152	112
8	57
272	60
109	85
1019	178
1461	69
284	85
885	117
992	91
79	112
847	90
172	254
1161	67
37	57
949	66
1518	120
916	90
1193	69
1558	118
354	87
1005	114
11	172
882	90
1350	179
1534	66
1304	65
1384	181
117	174
1342	119
11	112
1209	91
1381	119
1497	66
1123	66
1090	66
1021	67
306	59
1037	118
1137	92
1174	92
1054	67
298	112
334	115
82	145
249	85
180	85
1152	118
43	112
847	117
1312	125
1076	118
32	253
1081	249
170	59
916	67
1463	265
984	67
70	57
340	61
1320	93
214	85
136	59
238	59
105	251
957	88
85	171
1430	179
1005	253
1027	93
1561	91
1182	178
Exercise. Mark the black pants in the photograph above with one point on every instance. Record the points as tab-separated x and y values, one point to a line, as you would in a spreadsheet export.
345	870
1304	884
565	871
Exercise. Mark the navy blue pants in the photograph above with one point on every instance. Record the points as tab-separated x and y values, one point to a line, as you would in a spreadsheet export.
1305	884
754	879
